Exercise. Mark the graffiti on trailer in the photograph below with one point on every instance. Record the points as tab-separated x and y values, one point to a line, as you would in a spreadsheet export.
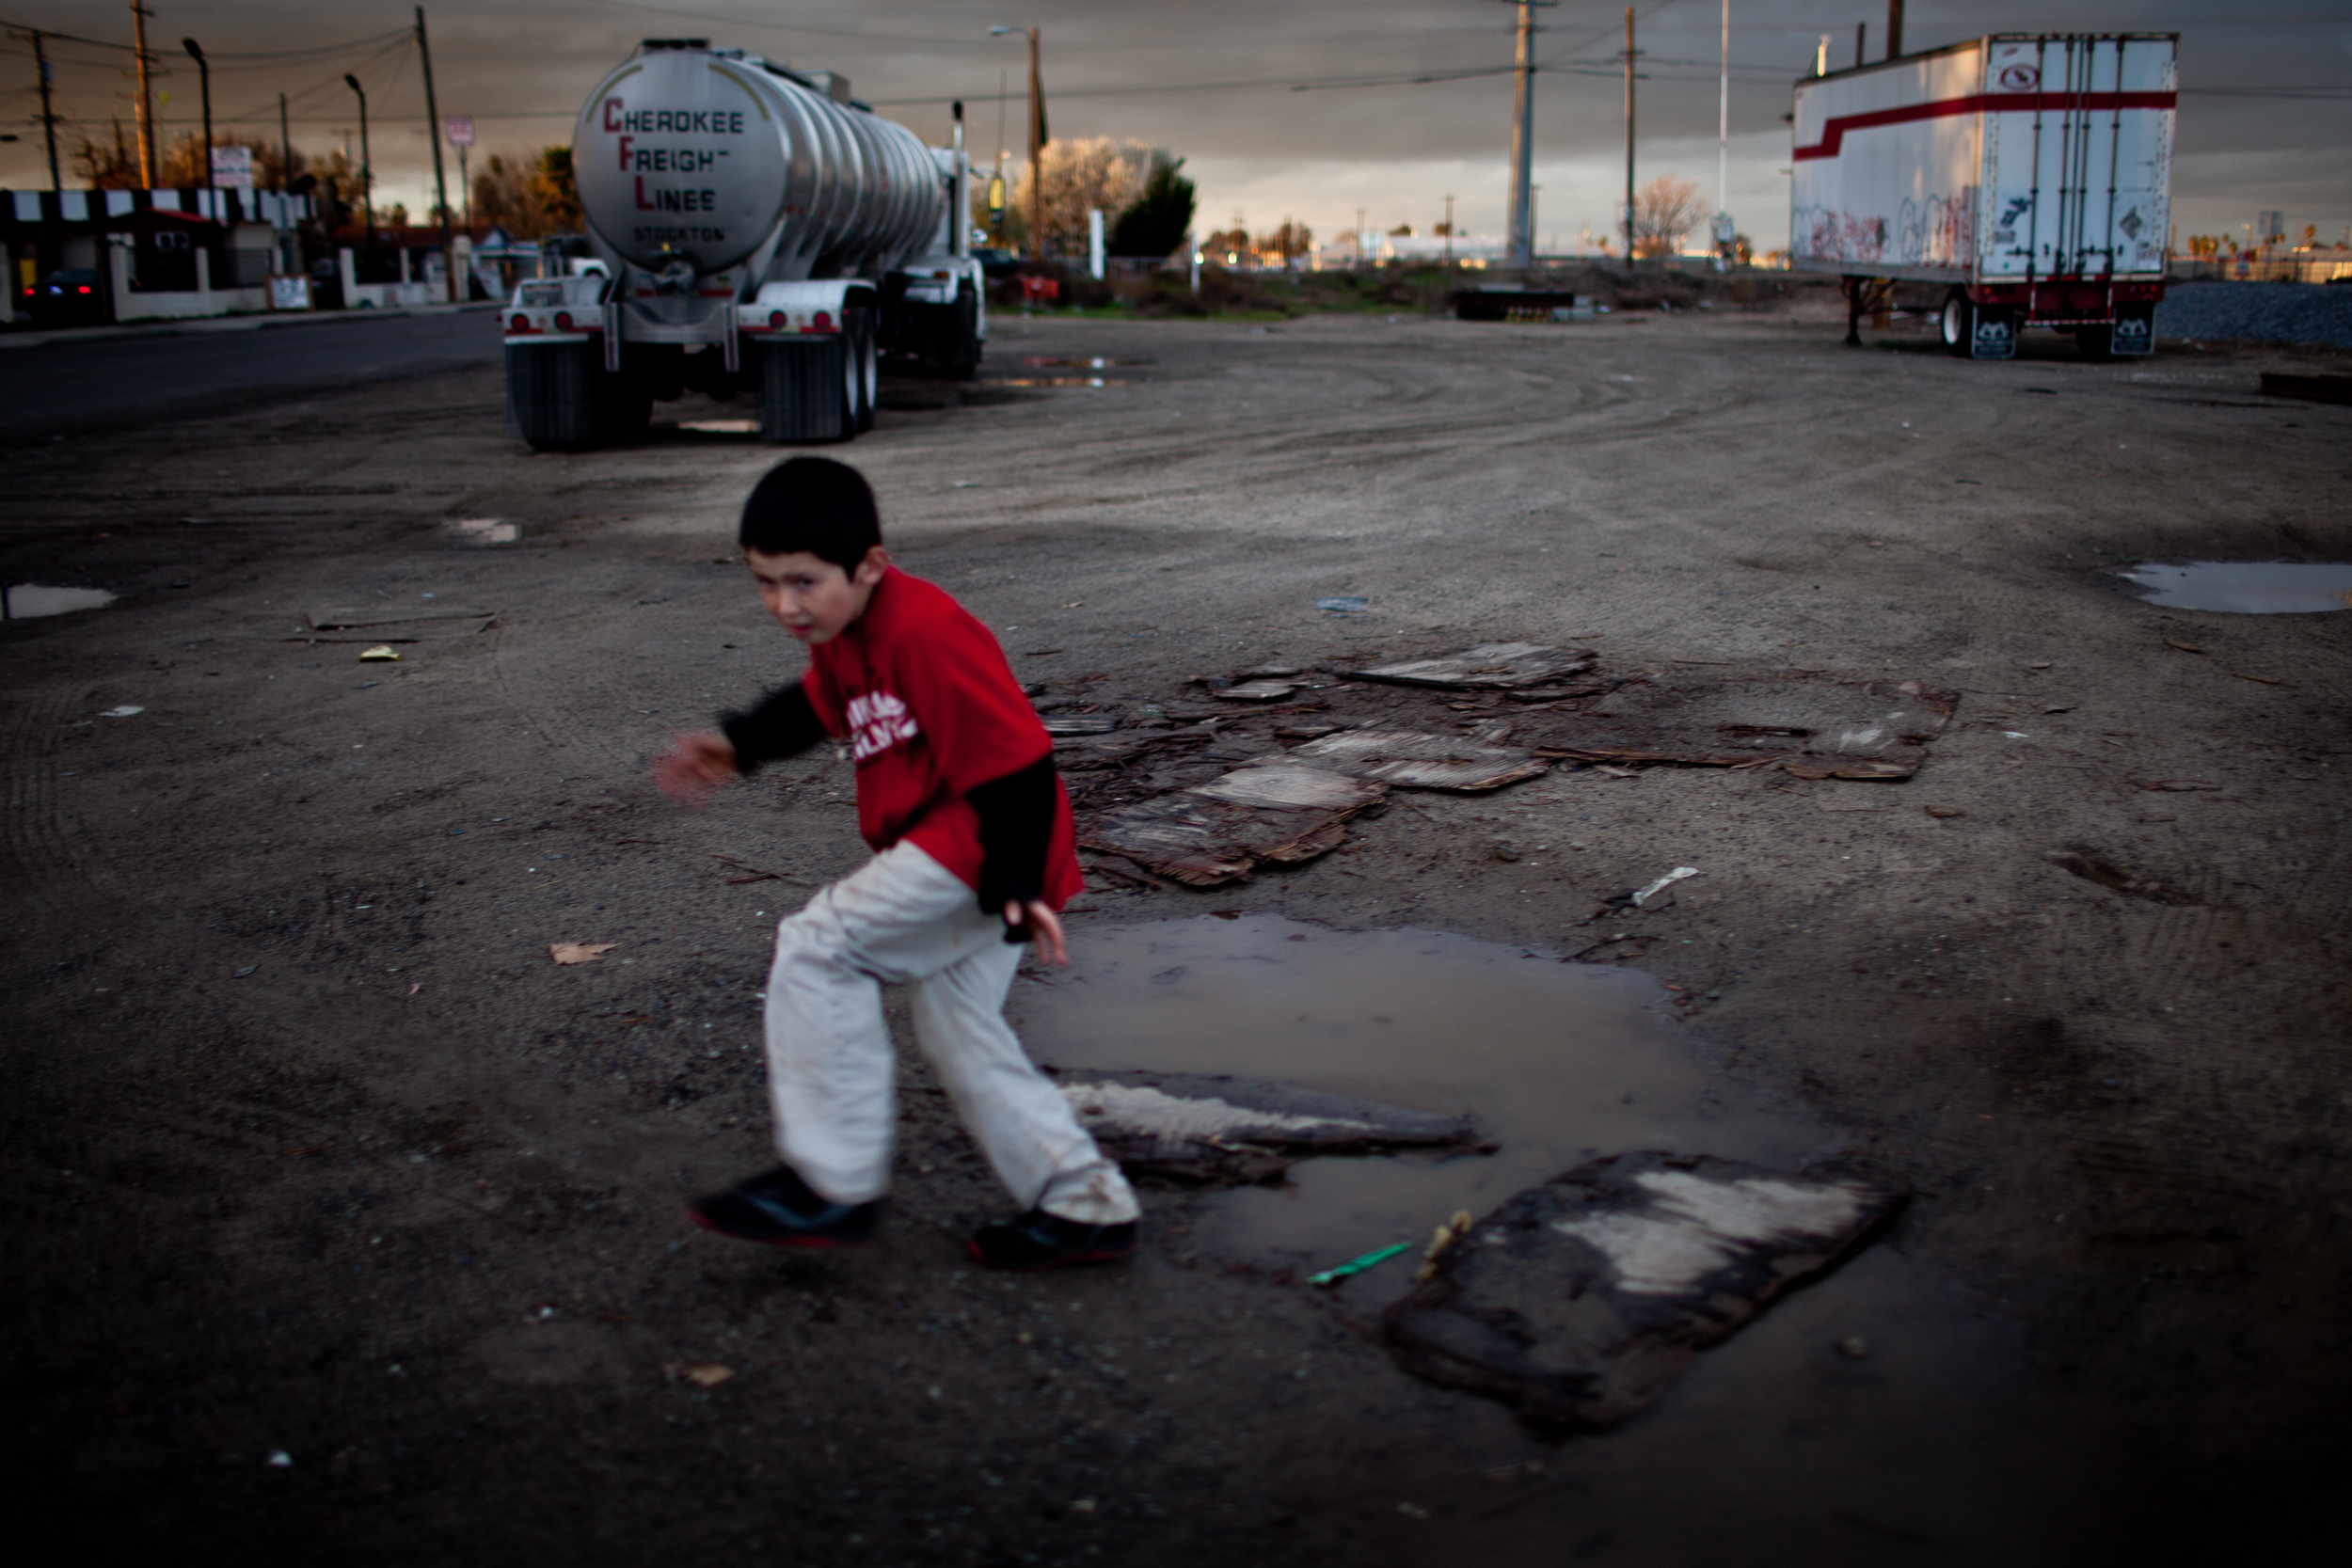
1935	231
1932	230
1823	235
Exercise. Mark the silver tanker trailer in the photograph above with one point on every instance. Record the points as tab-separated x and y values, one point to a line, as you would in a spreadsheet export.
761	233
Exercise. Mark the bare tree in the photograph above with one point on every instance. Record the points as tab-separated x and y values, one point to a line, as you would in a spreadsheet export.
1664	212
1089	172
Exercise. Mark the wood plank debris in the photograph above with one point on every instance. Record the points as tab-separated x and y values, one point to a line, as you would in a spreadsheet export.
1812	729
425	631
1214	832
389	616
1059	724
1256	691
1580	1300
1486	667
1416	761
1200	1130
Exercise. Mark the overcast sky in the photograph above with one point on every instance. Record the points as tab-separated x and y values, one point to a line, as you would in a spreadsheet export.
1304	109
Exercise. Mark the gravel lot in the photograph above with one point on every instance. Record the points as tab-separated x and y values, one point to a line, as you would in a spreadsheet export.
316	1154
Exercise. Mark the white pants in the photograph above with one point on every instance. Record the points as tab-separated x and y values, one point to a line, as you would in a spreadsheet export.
906	919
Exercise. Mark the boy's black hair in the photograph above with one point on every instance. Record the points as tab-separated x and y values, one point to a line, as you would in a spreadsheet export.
813	504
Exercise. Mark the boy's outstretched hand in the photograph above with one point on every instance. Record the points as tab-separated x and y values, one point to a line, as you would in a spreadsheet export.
1044	925
695	764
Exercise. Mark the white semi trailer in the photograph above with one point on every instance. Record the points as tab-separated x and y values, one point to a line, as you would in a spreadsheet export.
760	233
2028	174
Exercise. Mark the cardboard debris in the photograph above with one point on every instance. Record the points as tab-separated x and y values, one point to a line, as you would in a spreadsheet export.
1197	1130
1810	728
580	952
1487	667
1580	1300
1417	761
1215	832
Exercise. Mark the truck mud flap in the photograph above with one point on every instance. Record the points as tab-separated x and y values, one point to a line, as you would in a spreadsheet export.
2133	335
803	389
1993	336
551	393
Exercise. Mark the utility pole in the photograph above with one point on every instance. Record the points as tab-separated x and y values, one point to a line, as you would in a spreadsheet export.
147	103
1894	30
1723	228
1628	138
1861	43
1519	248
1449	235
433	135
48	118
1037	139
285	147
204	74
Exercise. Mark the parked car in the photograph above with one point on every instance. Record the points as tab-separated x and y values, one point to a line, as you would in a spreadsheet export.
70	296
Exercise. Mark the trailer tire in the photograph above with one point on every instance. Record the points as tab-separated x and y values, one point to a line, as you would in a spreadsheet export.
804	389
1958	324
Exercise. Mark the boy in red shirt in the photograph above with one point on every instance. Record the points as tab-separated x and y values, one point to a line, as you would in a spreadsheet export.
973	855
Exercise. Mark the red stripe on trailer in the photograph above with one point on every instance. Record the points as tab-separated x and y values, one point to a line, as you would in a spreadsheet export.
1834	134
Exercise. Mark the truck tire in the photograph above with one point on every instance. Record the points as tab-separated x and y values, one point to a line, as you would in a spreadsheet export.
1958	324
804	389
865	367
963	346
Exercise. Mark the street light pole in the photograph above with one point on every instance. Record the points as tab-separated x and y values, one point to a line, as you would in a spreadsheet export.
204	74
1520	243
367	166
433	134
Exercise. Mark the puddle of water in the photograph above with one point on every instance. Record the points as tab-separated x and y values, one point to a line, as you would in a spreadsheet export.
1557	1060
478	532
28	601
721	427
2246	587
1055	381
1882	1403
1047	362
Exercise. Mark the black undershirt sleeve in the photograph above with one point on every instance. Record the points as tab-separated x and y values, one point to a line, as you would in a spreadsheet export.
1017	815
782	726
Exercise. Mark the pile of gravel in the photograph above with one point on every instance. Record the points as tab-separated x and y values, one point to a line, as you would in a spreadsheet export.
2260	312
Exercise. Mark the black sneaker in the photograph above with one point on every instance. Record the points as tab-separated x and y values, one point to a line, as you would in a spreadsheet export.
1041	1240
781	1209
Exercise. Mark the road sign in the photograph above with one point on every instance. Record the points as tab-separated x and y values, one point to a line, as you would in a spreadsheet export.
233	169
460	128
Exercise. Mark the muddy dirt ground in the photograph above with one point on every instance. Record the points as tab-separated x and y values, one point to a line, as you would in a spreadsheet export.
344	1224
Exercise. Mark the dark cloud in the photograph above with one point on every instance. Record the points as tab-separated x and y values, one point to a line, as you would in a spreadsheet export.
1307	107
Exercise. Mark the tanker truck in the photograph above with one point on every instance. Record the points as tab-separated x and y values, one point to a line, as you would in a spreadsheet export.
753	230
2009	182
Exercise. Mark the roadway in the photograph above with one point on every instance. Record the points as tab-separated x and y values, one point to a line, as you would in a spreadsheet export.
60	382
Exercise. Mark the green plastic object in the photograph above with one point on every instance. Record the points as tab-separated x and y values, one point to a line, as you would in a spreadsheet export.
1357	1265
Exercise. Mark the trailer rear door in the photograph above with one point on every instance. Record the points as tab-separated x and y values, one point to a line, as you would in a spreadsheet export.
2077	155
